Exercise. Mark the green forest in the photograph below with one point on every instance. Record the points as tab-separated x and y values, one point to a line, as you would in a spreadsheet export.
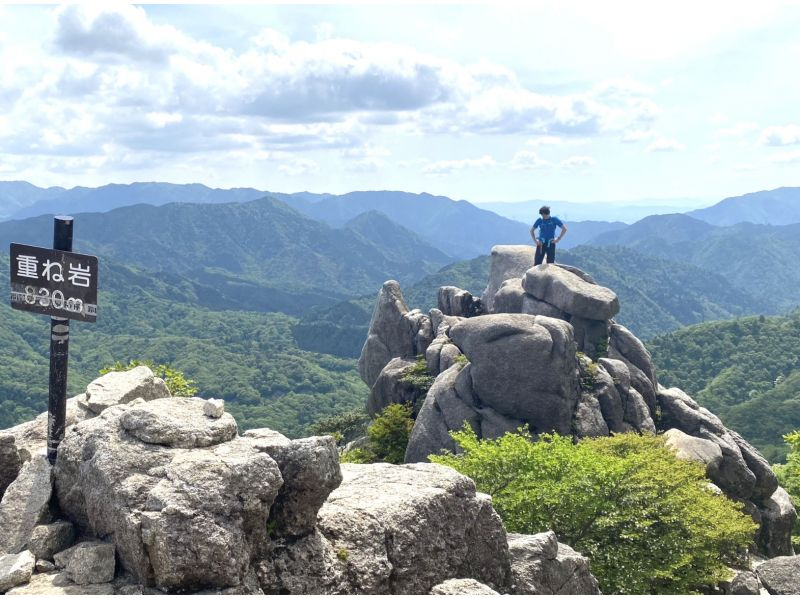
247	358
746	371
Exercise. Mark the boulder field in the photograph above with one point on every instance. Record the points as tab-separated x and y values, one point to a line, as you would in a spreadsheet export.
158	494
541	348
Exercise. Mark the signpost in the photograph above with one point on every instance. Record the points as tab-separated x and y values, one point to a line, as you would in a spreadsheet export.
63	285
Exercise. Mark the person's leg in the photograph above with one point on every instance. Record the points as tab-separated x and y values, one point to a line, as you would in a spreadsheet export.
539	255
551	253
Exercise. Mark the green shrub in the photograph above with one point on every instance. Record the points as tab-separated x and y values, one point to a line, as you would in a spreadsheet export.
648	521
177	383
789	474
389	433
418	376
344	427
387	437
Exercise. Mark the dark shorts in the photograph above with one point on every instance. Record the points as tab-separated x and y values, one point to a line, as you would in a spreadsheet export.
543	250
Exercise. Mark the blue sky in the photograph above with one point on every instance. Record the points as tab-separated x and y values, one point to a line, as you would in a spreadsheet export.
572	101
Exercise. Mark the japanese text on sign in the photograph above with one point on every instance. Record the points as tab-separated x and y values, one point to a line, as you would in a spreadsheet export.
58	283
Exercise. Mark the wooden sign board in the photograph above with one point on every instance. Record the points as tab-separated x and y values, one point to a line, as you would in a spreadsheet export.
56	283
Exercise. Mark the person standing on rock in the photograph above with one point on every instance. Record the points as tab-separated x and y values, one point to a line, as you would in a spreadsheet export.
546	242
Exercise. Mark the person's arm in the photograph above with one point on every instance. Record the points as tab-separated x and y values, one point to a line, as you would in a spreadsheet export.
563	232
533	232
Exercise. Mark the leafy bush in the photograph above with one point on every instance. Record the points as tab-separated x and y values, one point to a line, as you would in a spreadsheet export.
387	437
344	427
648	521
789	475
418	376
177	383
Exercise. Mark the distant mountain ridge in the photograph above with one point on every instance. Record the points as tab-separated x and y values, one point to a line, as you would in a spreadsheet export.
258	243
777	207
759	259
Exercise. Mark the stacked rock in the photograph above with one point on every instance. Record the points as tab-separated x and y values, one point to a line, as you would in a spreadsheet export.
544	351
152	493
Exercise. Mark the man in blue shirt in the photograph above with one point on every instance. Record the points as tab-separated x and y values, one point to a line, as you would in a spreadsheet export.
546	242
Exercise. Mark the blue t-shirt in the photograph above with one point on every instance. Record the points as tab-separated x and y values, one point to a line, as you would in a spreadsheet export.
547	228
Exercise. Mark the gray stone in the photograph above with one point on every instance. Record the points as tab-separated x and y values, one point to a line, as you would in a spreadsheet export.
578	272
443	410
440	323
507	261
522	366
91	563
732	475
438	527
177	422
310	471
453	587
494	425
635	410
591	336
390	334
43	566
625	346
25	504
393	386
31	437
453	301
533	546
422	332
307	565
9	461
542	565
611	405
536	307
679	410
691	448
180	519
508	299
15	569
47	540
780	575
58	584
588	419
570	293
214	408
766	480
778	516
745	584
117	388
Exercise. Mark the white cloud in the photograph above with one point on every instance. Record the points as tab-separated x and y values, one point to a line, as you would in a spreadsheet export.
449	166
665	145
740	129
785	157
786	135
577	162
299	166
635	135
544	140
527	160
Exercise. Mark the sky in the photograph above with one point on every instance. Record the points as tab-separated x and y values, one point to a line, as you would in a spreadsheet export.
572	101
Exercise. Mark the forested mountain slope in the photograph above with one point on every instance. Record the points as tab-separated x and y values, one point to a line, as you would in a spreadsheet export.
747	371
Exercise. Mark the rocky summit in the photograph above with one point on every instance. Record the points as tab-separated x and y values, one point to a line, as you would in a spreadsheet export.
540	348
152	493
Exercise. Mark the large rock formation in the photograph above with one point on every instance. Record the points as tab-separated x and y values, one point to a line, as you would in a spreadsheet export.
544	351
164	494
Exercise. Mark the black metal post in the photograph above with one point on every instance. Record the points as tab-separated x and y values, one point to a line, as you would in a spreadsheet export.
59	354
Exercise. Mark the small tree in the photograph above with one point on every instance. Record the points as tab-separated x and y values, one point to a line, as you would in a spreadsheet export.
344	427
177	383
789	475
387	437
647	520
